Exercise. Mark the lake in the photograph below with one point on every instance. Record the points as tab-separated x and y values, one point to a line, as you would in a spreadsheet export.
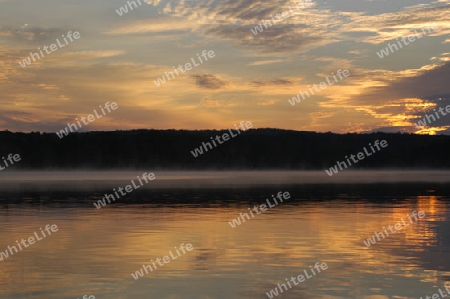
326	219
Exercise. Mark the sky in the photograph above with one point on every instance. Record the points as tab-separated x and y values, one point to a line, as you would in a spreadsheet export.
252	77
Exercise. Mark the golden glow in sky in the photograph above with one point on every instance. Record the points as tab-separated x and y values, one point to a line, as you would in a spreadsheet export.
251	77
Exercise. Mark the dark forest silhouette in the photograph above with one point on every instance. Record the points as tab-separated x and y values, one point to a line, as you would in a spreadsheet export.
253	149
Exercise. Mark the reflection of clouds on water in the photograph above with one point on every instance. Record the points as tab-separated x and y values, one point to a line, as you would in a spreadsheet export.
436	256
227	263
426	243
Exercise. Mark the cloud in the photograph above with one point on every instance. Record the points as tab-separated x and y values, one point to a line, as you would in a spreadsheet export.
264	62
155	25
216	103
208	81
389	26
254	74
222	10
276	82
425	83
400	99
36	35
277	39
233	19
307	28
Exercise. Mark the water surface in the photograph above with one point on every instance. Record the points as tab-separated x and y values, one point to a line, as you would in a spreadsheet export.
96	250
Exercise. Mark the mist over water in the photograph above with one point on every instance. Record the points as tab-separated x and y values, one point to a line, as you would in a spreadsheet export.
60	180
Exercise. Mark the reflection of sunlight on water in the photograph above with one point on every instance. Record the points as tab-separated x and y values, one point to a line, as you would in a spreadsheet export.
433	205
435	210
100	249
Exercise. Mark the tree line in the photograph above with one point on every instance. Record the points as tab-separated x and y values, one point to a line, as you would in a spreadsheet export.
253	149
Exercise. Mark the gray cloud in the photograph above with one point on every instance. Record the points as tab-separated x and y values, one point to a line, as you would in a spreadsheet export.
276	39
233	19
441	101
246	10
209	81
277	82
428	85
